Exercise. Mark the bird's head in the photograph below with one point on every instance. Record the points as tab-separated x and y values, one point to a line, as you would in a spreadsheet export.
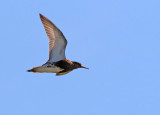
78	65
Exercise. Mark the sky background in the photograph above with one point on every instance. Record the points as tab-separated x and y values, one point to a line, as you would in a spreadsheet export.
118	40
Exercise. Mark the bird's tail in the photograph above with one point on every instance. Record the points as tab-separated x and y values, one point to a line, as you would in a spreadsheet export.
36	69
31	70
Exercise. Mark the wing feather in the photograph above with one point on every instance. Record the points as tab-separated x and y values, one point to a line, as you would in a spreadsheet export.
57	41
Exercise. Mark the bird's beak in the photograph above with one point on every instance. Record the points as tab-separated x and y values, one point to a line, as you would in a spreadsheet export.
84	67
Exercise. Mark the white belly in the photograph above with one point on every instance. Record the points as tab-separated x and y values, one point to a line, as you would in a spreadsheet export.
45	69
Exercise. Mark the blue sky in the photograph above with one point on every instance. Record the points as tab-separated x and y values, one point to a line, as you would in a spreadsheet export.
119	40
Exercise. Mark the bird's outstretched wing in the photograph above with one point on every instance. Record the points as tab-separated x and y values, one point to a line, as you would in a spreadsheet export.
57	41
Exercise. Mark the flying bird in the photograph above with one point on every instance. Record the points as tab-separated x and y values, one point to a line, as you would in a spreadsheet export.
57	62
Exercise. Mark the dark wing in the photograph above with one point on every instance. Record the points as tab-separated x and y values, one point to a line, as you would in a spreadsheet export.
57	41
64	64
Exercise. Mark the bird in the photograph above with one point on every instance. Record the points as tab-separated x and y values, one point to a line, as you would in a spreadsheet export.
57	62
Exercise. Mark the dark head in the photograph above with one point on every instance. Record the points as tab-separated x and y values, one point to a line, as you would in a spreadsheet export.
78	65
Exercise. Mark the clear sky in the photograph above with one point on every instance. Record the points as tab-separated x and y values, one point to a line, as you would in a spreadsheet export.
119	40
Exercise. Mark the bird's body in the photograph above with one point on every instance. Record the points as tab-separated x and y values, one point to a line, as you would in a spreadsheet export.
57	62
47	68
